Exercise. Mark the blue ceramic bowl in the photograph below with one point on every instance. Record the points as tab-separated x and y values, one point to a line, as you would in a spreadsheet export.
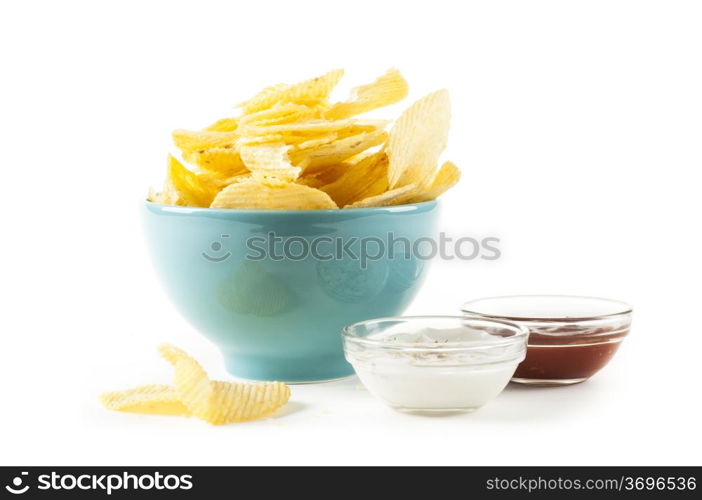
273	289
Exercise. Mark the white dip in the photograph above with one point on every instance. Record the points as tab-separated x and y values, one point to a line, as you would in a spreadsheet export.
426	376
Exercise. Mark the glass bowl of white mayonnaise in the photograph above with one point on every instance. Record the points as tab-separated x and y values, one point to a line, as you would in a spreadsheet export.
426	364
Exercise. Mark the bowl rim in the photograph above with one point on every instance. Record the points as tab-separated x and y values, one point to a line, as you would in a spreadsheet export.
626	309
520	336
394	209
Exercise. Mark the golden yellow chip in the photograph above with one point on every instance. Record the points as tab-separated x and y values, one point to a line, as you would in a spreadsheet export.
269	163
367	178
337	151
190	141
395	196
216	181
169	196
224	125
260	139
155	196
324	177
306	180
387	89
317	141
304	129
279	114
191	381
225	160
186	185
308	92
446	177
232	402
221	402
147	399
417	139
258	195
307	135
358	126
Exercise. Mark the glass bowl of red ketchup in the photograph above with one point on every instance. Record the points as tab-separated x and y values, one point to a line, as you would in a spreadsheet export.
570	338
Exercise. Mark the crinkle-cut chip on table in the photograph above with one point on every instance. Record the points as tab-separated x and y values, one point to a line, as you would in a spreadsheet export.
194	394
219	402
292	148
147	399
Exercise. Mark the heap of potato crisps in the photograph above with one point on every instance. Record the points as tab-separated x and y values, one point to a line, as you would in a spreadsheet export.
291	148
194	394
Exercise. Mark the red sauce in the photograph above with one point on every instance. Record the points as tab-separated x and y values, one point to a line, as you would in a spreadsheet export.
567	358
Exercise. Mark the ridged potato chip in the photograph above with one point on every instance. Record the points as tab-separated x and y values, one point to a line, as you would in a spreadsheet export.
224	125
224	160
194	394
189	141
191	382
335	152
326	176
260	139
417	139
258	195
222	402
294	140
217	181
359	126
387	89
446	177
168	196
395	196
280	114
367	178
146	399
186	185
317	141
305	130
232	402
269	163
308	92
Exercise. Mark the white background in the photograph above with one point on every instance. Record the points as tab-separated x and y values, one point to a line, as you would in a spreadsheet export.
577	126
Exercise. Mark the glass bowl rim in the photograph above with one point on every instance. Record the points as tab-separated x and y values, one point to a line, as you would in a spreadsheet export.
521	334
627	309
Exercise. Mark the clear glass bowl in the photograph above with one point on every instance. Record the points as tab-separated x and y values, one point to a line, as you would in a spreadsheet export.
570	338
435	363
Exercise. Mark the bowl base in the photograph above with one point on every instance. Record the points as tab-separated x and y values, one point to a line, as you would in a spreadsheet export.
433	412
547	382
